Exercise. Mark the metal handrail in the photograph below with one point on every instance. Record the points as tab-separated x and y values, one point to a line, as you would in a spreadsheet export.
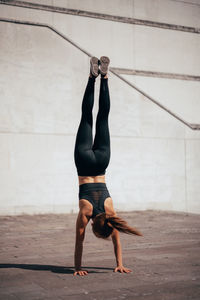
112	70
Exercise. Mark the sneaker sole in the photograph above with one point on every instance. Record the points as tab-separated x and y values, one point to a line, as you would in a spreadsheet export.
94	66
104	63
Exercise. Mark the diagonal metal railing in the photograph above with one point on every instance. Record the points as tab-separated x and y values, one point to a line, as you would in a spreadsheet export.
112	70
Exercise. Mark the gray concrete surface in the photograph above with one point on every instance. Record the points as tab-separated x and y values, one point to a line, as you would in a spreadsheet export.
42	81
37	259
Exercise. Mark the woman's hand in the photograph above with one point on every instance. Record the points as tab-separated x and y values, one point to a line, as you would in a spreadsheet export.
81	272
122	269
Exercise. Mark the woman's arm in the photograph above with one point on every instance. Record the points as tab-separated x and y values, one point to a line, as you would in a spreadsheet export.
118	253
81	224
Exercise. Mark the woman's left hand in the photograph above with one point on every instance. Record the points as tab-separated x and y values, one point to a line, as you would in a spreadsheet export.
122	269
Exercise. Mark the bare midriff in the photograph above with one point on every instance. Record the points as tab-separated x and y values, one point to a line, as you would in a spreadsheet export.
91	179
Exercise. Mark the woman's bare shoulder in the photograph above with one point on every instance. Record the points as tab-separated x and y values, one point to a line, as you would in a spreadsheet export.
109	208
85	207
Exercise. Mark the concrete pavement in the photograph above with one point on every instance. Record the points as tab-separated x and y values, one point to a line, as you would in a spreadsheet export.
36	259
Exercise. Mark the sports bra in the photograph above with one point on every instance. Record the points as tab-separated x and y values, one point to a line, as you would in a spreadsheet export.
96	194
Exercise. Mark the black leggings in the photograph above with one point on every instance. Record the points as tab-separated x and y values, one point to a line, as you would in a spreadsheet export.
92	159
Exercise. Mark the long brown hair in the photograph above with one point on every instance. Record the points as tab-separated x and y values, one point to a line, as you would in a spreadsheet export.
103	226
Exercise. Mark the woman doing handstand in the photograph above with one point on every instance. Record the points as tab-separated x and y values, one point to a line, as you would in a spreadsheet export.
91	161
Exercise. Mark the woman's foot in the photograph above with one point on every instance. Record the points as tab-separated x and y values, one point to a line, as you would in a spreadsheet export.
94	67
104	63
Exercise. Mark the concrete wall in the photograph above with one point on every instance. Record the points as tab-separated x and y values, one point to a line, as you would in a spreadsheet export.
155	161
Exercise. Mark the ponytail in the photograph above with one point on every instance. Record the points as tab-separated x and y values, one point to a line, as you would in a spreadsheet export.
121	225
103	226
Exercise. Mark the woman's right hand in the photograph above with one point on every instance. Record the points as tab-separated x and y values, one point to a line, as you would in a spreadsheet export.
81	272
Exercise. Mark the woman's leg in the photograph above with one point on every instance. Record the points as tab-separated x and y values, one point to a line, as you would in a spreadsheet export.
83	146
101	145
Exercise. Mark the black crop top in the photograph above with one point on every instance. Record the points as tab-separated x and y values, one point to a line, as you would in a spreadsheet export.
96	194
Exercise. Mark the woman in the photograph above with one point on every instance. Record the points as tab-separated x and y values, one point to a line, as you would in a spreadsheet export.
91	161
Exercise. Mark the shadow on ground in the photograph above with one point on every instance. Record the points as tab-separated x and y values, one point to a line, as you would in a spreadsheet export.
51	268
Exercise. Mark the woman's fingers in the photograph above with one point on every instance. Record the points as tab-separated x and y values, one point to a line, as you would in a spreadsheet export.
122	270
80	273
127	270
